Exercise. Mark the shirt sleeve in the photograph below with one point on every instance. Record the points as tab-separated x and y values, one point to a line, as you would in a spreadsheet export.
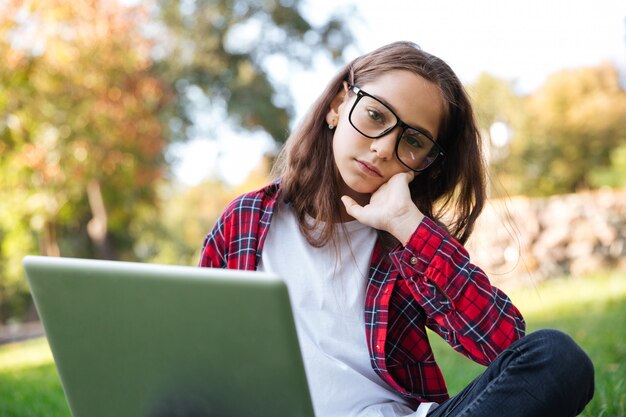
214	248
235	239
474	317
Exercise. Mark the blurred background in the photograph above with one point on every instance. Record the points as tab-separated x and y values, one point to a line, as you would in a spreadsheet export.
127	126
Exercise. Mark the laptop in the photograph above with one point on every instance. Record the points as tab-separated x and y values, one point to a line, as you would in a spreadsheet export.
145	340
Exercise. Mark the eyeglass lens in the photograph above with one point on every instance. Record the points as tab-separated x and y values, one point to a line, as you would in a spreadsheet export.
374	119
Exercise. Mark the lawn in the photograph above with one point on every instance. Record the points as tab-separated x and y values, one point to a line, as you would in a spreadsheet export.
591	309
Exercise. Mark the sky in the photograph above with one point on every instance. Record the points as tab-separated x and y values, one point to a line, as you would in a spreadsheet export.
522	41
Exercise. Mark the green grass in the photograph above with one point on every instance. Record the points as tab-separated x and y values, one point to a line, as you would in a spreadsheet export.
592	310
29	384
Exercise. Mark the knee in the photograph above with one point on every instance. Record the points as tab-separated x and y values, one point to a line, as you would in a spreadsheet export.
562	356
561	349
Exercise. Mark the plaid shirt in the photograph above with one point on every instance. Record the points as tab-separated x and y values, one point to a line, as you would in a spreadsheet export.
428	283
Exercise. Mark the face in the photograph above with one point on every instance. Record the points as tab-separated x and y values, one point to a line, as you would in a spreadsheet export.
365	164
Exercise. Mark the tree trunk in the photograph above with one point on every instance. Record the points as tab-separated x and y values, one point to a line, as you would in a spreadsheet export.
97	228
50	243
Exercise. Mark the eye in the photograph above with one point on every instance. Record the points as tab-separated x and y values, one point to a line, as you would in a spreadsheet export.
415	140
375	115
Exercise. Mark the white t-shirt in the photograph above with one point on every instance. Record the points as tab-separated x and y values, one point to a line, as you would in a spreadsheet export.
327	290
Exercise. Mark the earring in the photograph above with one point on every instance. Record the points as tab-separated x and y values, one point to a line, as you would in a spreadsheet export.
331	126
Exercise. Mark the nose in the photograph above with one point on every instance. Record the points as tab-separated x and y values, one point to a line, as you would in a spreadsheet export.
384	146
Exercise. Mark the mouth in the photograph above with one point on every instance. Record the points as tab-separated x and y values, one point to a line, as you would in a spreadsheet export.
369	169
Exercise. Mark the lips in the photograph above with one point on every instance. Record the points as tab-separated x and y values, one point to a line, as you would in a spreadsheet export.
369	169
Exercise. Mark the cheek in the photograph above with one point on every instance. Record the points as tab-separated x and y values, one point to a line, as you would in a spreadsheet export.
347	138
342	140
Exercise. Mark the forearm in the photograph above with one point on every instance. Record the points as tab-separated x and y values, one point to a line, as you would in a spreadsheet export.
476	318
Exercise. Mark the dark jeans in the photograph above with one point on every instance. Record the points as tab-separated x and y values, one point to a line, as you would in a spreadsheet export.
545	374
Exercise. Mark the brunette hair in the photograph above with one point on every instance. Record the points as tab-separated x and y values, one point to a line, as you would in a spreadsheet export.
451	191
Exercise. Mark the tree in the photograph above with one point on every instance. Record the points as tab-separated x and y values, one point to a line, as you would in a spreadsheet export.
496	102
222	50
82	114
614	175
86	113
494	99
572	125
82	142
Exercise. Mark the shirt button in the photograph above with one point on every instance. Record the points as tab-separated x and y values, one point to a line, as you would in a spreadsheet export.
413	260
378	348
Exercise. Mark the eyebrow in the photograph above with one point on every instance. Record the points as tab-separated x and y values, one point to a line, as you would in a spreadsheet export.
395	112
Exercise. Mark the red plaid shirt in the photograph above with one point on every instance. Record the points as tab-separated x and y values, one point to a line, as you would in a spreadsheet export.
429	283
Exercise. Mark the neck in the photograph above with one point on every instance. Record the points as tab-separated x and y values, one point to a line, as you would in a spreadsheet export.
361	199
343	214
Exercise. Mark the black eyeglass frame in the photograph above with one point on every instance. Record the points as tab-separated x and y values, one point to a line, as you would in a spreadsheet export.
360	94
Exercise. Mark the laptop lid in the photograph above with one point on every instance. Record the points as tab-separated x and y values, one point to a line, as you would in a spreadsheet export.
139	340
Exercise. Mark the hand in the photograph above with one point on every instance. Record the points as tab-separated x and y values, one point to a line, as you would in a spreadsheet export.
390	208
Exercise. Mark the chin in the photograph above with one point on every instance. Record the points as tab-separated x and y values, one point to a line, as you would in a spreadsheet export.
359	188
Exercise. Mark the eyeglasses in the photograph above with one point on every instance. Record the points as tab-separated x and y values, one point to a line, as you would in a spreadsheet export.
415	148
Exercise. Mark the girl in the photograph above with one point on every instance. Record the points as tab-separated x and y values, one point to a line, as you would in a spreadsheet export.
376	192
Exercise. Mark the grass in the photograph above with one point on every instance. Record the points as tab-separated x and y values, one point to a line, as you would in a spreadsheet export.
29	384
592	310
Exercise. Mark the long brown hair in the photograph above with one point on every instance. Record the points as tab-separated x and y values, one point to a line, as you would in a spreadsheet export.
451	191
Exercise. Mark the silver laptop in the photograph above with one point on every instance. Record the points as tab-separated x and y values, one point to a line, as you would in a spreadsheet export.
143	340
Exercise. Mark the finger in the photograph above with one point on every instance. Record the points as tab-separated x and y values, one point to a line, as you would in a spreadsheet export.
352	207
406	176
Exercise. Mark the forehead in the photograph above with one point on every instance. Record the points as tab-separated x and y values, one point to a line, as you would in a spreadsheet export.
417	101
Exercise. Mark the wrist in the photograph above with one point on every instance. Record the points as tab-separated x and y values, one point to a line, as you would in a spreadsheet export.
404	227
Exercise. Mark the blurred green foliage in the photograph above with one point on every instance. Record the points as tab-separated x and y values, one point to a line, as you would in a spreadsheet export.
91	95
567	136
79	117
224	49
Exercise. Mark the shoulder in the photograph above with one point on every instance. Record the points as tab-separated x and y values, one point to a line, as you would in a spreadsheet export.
254	201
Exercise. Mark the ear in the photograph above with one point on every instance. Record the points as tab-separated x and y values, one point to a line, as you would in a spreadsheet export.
336	105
